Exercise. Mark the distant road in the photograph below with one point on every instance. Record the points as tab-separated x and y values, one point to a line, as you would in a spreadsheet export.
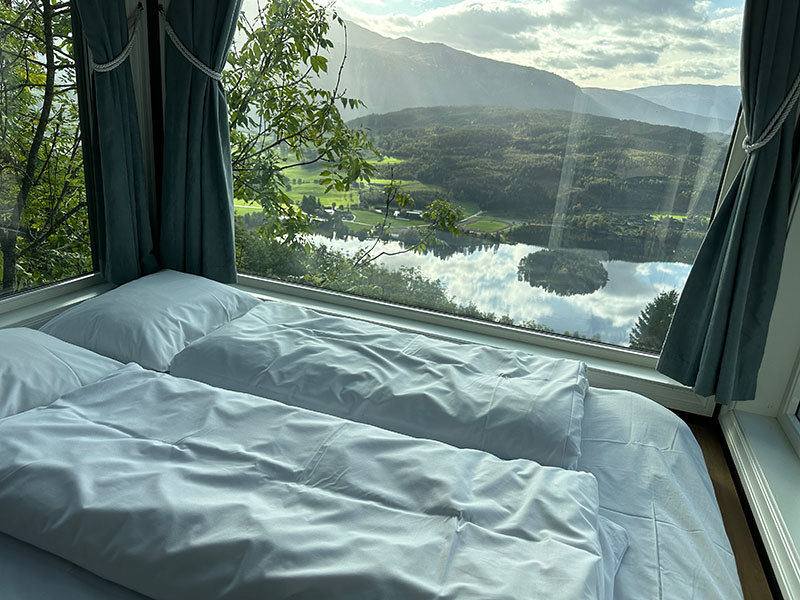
480	212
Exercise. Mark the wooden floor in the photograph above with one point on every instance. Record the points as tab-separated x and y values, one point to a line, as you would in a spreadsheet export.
751	571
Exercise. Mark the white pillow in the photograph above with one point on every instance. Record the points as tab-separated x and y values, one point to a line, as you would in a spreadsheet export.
150	320
36	369
509	403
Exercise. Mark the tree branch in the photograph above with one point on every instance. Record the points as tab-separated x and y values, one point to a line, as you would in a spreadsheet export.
43	235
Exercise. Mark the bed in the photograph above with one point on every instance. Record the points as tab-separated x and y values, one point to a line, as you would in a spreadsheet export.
176	489
652	489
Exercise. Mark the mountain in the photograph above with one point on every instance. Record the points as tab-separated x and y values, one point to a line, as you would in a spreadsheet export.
393	74
628	105
713	101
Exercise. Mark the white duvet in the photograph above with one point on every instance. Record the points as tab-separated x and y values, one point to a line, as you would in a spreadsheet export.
179	490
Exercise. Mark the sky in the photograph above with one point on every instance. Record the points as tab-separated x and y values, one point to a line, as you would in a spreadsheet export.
619	44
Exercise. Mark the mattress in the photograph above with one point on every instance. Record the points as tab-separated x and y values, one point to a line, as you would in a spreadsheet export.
653	481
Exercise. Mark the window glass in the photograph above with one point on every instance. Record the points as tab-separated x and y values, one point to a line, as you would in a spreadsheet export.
551	165
44	234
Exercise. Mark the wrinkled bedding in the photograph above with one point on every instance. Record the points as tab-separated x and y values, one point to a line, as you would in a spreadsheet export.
628	443
512	404
179	490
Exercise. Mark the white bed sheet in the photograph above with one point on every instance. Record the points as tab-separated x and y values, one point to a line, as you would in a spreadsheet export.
653	481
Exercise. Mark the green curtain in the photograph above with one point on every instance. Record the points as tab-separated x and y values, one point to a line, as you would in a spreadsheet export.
122	211
197	201
716	341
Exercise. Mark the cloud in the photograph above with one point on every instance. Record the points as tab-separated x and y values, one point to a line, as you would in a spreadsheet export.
617	44
473	26
607	58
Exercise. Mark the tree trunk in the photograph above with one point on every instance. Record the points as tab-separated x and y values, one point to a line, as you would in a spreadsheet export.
9	242
8	246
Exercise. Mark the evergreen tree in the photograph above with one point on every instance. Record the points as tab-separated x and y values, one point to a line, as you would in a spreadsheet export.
651	328
563	272
309	204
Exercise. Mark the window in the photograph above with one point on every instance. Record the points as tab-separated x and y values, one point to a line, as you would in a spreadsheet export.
789	413
44	235
580	148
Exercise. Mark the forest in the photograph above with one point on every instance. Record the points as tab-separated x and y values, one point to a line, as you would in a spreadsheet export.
640	192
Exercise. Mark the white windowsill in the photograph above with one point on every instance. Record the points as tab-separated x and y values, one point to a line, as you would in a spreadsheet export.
769	469
36	307
609	367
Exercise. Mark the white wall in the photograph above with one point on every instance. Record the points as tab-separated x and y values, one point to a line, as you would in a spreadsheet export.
783	341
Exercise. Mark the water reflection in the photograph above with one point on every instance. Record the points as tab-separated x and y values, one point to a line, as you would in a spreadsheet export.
487	277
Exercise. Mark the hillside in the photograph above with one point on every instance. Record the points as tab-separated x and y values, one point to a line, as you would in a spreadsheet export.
522	162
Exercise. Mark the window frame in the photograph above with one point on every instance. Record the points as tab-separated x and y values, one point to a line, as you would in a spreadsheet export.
33	308
787	415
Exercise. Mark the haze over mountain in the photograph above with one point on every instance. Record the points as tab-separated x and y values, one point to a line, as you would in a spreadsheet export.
627	105
714	101
394	74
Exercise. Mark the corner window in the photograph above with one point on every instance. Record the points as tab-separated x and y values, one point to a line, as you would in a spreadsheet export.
44	236
551	166
789	412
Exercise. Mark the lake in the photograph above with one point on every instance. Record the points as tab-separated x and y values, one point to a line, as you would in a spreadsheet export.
487	277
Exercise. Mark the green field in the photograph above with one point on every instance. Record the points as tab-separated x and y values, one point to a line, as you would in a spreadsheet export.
676	216
485	224
307	175
244	209
367	217
389	160
302	183
409	186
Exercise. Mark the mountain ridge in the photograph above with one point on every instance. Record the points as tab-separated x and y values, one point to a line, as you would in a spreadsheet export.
714	101
391	74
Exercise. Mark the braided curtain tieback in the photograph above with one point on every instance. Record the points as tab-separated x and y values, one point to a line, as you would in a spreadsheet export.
115	62
777	121
187	54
